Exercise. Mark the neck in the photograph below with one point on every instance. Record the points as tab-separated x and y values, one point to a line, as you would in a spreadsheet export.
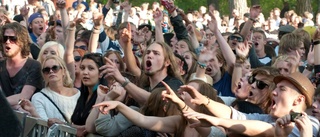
16	60
155	79
217	77
57	87
261	53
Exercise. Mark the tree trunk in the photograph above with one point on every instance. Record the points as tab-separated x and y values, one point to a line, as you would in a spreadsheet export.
240	5
215	3
303	5
255	2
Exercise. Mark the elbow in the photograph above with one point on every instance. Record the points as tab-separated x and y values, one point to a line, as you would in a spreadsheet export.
90	127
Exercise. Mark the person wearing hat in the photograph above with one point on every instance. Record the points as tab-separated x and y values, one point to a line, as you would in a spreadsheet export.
293	93
36	26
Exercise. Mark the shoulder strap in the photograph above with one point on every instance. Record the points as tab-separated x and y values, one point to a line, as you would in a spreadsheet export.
64	117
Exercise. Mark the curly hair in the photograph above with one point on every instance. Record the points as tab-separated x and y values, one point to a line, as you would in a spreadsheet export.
23	38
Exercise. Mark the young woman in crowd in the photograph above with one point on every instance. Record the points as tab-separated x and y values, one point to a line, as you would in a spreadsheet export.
56	102
50	48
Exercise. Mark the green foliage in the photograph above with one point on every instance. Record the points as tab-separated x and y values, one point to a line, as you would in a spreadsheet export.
190	5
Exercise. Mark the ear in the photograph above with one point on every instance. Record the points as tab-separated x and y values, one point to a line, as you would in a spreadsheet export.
167	62
301	99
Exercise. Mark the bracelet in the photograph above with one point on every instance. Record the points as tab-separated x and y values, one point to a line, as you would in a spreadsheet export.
202	65
126	82
185	105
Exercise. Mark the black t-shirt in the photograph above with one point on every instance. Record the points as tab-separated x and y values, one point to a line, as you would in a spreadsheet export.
29	74
34	49
173	82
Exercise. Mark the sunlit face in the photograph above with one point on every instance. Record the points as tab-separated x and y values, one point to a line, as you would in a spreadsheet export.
37	26
114	59
154	60
283	67
284	96
256	95
52	50
213	65
243	90
89	72
53	75
10	47
258	41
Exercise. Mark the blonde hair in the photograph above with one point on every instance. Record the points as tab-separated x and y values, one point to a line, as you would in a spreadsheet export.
48	44
67	81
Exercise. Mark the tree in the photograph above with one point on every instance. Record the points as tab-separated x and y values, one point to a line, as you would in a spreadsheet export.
215	3
240	5
303	5
255	2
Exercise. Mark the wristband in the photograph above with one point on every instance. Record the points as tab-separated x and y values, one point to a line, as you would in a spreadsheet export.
202	65
126	82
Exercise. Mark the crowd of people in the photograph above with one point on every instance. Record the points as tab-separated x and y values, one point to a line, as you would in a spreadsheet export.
117	69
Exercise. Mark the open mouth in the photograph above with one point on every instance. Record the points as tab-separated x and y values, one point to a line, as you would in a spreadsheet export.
256	44
250	94
208	69
239	85
41	28
234	43
148	63
8	48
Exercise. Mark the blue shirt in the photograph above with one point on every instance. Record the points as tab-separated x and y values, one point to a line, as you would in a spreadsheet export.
223	86
33	37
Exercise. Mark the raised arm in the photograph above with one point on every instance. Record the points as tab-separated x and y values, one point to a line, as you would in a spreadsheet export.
111	70
160	124
93	42
61	5
224	46
125	42
68	54
158	16
254	13
217	109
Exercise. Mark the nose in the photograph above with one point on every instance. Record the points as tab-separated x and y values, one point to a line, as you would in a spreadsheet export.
274	93
314	105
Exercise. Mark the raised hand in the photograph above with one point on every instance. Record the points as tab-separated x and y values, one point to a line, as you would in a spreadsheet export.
190	29
213	25
158	16
97	18
197	98
24	11
106	106
61	4
169	94
242	49
255	11
283	126
304	125
110	69
126	6
125	36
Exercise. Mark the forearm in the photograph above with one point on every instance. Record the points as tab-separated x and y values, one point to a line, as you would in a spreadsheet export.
64	18
194	40
219	110
131	61
93	42
138	94
68	54
246	28
90	122
225	49
248	127
125	16
158	32
14	99
178	26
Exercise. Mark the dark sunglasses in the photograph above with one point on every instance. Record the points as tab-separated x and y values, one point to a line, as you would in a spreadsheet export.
77	58
260	84
84	47
11	38
239	39
54	68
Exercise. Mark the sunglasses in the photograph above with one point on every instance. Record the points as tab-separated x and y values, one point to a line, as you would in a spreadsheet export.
11	38
77	58
239	39
260	84
84	47
54	68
